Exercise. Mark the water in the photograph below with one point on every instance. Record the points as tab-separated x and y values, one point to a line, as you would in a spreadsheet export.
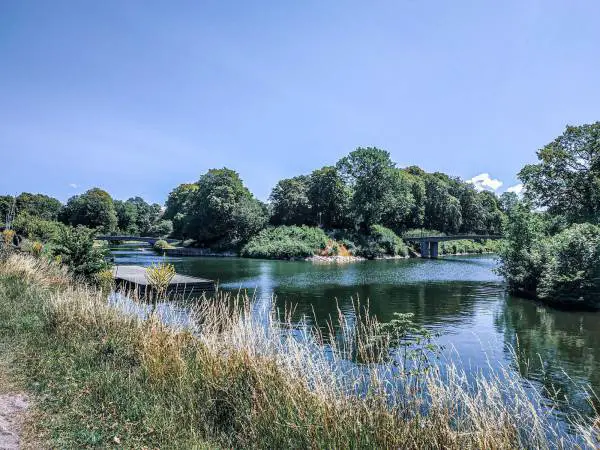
459	298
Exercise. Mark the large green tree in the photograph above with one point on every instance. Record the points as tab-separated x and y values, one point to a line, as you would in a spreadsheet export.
222	211
94	209
368	172
329	197
126	217
442	209
566	180
178	200
38	205
290	202
399	204
147	215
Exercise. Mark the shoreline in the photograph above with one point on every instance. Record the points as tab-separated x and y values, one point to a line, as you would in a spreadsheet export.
315	259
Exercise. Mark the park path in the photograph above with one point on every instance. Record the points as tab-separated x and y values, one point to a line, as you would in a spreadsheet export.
12	408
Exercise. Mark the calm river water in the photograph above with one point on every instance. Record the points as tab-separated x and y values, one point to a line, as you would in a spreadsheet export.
460	298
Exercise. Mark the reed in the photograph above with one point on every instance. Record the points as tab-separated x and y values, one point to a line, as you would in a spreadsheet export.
230	378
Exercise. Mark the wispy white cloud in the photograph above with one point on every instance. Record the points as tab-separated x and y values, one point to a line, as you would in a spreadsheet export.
483	182
73	185
517	188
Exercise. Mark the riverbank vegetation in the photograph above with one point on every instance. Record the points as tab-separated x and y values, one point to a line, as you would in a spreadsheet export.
364	192
364	197
552	246
102	377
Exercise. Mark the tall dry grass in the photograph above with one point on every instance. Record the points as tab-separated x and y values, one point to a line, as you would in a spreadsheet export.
265	382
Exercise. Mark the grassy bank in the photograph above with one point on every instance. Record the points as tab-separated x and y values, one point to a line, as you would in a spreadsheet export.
105	378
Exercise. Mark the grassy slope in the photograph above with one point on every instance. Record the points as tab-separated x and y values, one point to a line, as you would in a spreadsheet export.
104	379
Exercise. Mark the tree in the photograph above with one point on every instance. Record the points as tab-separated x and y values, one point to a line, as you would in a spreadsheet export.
522	252
399	202
415	177
472	210
6	202
178	201
572	273
368	172
127	215
493	215
222	211
329	197
249	217
36	228
161	228
442	210
38	205
567	178
290	202
508	200
93	209
146	214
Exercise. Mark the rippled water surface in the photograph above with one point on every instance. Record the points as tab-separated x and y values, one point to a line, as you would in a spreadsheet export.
460	298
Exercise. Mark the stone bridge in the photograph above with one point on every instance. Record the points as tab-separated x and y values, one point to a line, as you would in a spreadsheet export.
430	244
147	240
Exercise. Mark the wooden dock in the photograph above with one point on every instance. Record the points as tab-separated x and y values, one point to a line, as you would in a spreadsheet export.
133	279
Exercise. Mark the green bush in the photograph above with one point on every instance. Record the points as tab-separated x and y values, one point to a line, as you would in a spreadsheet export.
381	242
522	251
286	242
75	248
466	246
35	228
161	245
571	274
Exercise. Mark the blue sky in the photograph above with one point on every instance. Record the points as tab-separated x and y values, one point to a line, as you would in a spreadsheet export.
138	97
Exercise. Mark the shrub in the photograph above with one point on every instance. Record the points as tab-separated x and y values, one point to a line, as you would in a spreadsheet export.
8	237
105	280
381	242
522	252
37	248
76	249
159	276
286	242
161	245
572	272
35	228
467	246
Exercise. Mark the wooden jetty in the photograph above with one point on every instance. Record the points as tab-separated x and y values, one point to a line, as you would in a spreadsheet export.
133	279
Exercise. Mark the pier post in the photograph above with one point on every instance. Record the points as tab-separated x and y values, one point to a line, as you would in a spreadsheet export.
424	249
434	249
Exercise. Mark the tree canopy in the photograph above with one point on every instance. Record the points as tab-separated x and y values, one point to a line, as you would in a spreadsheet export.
93	209
222	212
566	180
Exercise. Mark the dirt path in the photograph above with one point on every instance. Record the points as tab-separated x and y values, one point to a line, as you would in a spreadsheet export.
12	407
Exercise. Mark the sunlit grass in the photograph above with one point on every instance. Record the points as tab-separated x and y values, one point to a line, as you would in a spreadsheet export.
235	380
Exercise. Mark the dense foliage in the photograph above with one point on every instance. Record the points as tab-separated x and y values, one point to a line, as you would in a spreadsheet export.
94	209
75	248
286	242
33	227
566	180
219	213
137	217
552	246
366	188
380	241
361	195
